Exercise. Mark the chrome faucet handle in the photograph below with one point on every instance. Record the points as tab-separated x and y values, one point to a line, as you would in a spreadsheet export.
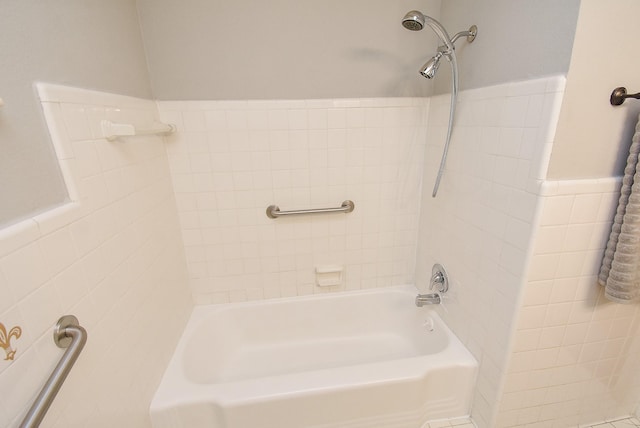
439	279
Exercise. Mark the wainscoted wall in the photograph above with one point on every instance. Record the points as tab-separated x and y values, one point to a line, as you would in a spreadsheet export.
575	356
232	159
112	257
589	125
481	223
57	42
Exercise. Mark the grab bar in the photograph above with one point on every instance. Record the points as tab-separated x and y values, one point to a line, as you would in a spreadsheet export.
67	334
273	211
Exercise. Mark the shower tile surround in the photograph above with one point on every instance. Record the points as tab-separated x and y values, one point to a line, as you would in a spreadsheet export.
232	159
552	351
112	256
116	249
481	223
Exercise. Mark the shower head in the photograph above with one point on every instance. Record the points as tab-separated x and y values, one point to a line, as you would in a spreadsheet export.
413	20
430	68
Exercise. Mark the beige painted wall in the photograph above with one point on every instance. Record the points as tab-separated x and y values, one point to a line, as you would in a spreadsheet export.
86	43
284	49
215	49
517	40
593	137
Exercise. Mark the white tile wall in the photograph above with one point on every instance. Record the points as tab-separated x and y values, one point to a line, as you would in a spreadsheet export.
112	256
232	159
520	252
480	224
575	357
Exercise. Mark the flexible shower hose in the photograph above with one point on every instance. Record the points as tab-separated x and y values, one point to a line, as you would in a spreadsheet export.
452	113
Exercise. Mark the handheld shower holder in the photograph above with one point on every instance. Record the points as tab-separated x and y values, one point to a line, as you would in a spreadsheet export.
469	34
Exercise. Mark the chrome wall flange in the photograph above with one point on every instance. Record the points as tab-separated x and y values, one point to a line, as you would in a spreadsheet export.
473	31
60	336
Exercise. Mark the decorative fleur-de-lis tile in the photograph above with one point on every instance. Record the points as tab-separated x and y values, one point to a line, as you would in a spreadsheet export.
5	340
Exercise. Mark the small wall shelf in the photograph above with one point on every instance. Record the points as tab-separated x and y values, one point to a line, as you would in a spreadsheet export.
112	130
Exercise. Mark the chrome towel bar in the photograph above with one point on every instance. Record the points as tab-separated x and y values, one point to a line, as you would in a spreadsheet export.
67	334
274	212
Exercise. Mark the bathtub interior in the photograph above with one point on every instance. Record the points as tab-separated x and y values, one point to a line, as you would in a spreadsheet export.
277	337
359	359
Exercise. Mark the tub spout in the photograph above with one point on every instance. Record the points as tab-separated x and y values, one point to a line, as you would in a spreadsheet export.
427	299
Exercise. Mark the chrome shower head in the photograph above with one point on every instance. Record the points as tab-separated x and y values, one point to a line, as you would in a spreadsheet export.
413	20
430	68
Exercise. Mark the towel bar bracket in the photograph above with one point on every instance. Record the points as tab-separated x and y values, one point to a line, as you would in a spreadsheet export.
60	335
620	94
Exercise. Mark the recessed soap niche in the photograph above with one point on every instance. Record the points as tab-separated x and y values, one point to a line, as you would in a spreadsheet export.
327	276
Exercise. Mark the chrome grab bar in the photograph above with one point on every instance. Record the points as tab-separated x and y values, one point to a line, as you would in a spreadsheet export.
67	334
273	211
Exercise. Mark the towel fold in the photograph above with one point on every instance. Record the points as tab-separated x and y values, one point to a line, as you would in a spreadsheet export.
620	270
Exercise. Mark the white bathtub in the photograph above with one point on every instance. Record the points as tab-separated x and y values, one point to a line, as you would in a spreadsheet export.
359	359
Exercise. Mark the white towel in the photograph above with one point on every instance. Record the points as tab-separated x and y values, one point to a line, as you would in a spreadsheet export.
620	270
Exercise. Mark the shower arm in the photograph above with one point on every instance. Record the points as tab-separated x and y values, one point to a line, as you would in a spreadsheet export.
470	34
